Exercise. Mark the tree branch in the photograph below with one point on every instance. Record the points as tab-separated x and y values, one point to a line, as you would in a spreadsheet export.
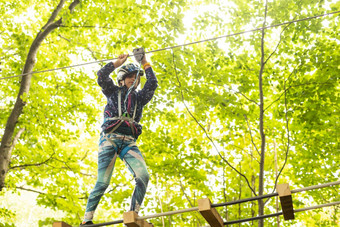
242	150
25	84
43	193
5	157
29	165
87	26
185	194
278	42
15	140
291	86
32	190
187	197
237	92
288	138
117	186
54	14
205	132
251	136
86	47
262	134
73	5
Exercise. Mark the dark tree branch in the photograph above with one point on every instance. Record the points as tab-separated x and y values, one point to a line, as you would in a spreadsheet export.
242	150
285	81
68	40
32	190
87	26
288	137
160	33
73	5
262	134
205	132
116	186
25	84
16	138
43	193
278	42
187	197
185	194
291	86
85	155
251	135
35	164
86	47
89	175
237	92
54	14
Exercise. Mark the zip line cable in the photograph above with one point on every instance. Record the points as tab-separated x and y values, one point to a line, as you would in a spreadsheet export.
181	45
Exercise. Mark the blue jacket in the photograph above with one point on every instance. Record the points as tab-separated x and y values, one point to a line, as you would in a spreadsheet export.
111	90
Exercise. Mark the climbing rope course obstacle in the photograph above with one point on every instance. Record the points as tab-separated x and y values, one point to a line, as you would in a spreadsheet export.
210	214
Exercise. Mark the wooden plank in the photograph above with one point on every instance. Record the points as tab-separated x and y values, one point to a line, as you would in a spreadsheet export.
209	213
286	201
130	220
60	224
146	224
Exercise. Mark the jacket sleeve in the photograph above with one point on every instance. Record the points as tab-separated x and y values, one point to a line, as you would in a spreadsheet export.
146	94
104	80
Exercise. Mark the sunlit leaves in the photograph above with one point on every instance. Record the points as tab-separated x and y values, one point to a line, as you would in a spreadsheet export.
205	90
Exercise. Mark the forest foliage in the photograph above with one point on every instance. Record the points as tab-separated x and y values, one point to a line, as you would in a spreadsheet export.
201	131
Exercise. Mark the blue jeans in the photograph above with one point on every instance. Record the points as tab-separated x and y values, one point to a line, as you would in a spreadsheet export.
112	145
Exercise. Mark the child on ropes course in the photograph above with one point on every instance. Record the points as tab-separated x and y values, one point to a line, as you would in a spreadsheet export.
121	129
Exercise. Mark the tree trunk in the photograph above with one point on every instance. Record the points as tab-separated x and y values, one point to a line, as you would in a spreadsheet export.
263	137
276	173
7	141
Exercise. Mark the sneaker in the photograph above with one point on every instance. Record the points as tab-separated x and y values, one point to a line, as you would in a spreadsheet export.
86	223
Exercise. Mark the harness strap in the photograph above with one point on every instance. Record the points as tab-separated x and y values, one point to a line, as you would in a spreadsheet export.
117	126
123	118
119	103
134	112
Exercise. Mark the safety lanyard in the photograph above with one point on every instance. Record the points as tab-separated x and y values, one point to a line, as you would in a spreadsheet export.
120	106
133	85
123	117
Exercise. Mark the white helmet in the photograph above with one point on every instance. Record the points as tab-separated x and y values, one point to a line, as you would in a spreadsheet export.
128	69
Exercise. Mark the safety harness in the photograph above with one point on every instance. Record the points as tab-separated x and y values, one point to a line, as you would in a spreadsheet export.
123	117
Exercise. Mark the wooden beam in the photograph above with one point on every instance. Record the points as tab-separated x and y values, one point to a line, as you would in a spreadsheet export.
286	201
209	213
130	220
60	224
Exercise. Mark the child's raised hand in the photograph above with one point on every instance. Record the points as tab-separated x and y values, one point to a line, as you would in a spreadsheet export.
120	60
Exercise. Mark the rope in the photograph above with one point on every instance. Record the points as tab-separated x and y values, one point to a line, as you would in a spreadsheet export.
133	86
187	44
